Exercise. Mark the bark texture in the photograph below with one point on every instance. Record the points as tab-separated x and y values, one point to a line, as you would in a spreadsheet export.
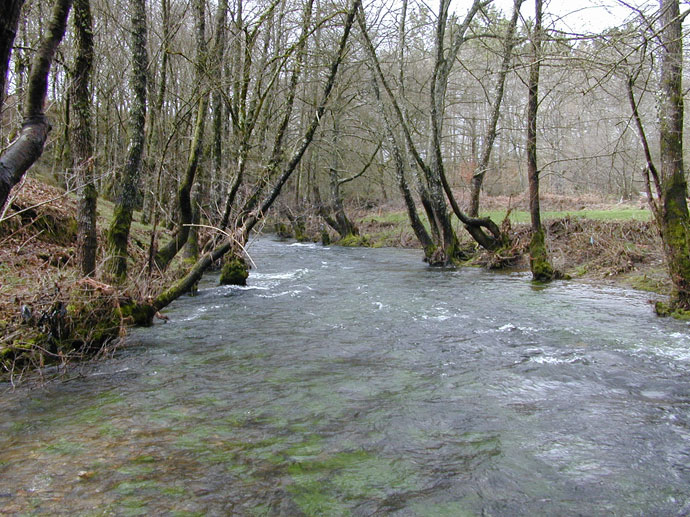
674	217
9	21
82	136
538	258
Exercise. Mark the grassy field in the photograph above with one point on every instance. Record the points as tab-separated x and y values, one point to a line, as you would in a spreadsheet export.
621	214
521	216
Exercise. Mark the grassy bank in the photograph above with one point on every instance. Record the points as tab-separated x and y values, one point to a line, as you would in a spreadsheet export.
618	245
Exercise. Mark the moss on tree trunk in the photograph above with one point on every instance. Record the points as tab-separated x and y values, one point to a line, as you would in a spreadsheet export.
673	216
676	237
541	268
118	234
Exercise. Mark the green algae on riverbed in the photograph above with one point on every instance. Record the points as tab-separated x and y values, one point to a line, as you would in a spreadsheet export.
402	389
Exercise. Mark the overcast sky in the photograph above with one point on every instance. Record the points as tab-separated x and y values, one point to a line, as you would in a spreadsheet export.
577	15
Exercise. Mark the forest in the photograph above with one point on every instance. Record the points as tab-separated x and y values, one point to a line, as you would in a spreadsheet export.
178	129
344	258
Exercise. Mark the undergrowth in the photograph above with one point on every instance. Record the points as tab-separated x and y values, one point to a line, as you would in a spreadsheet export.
49	314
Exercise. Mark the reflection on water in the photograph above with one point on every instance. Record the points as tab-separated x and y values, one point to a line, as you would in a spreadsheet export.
352	381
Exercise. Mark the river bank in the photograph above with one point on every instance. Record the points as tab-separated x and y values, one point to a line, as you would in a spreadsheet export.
51	315
588	239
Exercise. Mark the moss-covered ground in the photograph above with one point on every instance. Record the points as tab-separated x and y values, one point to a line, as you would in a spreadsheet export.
48	313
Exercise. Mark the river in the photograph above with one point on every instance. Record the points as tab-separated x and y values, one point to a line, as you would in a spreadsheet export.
361	382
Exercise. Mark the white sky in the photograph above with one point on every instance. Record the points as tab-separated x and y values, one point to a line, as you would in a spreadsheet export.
577	15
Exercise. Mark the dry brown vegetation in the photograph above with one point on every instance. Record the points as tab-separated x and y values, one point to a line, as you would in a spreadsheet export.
48	312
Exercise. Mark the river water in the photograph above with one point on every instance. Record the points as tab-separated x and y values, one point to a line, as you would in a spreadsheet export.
360	382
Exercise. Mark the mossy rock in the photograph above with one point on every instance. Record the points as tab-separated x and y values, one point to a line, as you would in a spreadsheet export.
234	272
355	241
664	310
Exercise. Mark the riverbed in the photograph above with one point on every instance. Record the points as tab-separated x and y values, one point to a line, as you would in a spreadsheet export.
347	381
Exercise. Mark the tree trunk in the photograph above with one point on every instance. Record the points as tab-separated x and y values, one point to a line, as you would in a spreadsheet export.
217	102
24	151
155	136
184	193
118	234
480	172
9	22
343	225
439	84
82	137
675	221
415	222
21	65
538	258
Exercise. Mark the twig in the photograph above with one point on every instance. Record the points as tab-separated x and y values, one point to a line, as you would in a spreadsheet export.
47	201
228	235
11	200
19	248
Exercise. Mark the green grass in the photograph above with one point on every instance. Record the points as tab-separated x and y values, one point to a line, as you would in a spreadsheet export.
623	214
105	215
11	282
521	216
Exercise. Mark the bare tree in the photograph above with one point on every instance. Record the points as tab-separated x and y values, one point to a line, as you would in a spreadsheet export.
446	243
398	153
184	193
538	259
248	102
491	131
272	166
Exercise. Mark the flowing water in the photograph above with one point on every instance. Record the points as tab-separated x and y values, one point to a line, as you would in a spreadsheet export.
361	382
